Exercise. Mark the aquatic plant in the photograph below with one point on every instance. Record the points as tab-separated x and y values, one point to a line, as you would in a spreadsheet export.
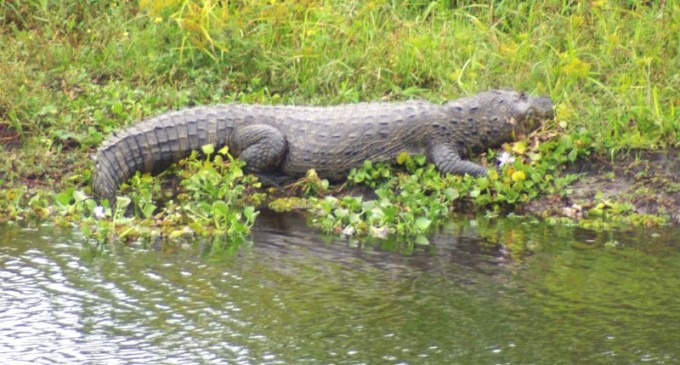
211	203
410	203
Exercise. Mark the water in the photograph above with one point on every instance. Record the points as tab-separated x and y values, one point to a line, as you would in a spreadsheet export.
486	292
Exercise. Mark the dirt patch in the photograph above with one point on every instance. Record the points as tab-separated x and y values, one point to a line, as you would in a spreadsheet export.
45	170
647	180
9	137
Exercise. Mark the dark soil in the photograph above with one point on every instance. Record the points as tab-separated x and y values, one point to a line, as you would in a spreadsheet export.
9	138
648	180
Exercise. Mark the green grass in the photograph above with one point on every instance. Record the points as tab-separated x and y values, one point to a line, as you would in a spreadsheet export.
73	72
79	71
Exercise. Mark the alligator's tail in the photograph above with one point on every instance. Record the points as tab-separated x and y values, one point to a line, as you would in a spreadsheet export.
152	145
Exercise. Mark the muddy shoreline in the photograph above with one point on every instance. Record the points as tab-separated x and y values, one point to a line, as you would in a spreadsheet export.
647	180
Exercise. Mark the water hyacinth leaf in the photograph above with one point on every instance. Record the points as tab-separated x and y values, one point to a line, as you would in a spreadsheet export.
390	212
519	147
122	202
340	212
220	208
357	176
355	218
422	224
148	210
79	196
402	158
91	204
235	171
376	213
420	159
421	240
64	198
250	213
208	149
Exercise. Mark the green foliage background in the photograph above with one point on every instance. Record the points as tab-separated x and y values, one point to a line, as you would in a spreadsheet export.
80	69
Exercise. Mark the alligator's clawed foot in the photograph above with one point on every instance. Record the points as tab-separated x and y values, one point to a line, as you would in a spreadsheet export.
275	180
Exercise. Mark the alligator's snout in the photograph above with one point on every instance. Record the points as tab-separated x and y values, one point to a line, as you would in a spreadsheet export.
541	108
531	111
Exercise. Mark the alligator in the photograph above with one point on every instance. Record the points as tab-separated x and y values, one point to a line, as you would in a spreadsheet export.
290	140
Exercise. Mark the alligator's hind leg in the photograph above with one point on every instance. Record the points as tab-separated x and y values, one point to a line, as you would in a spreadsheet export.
261	147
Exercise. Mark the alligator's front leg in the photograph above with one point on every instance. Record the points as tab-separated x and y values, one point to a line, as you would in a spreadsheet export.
448	160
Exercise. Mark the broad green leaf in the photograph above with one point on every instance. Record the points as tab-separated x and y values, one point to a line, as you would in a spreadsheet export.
208	149
421	240
340	212
64	198
420	159
148	210
422	223
519	147
220	208
122	202
451	193
79	196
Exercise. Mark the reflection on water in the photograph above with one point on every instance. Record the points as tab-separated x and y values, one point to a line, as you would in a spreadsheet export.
485	292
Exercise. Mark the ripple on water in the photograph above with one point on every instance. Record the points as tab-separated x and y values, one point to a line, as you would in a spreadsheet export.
473	297
52	302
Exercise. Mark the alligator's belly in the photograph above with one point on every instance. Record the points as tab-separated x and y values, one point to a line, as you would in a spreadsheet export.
334	161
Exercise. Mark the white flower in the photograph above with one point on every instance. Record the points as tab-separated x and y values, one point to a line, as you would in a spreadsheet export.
348	231
379	232
99	212
505	158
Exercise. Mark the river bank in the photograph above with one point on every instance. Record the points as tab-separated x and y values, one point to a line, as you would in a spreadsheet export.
648	182
73	74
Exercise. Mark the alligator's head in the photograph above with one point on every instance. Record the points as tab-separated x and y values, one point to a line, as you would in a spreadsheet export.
500	116
524	113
